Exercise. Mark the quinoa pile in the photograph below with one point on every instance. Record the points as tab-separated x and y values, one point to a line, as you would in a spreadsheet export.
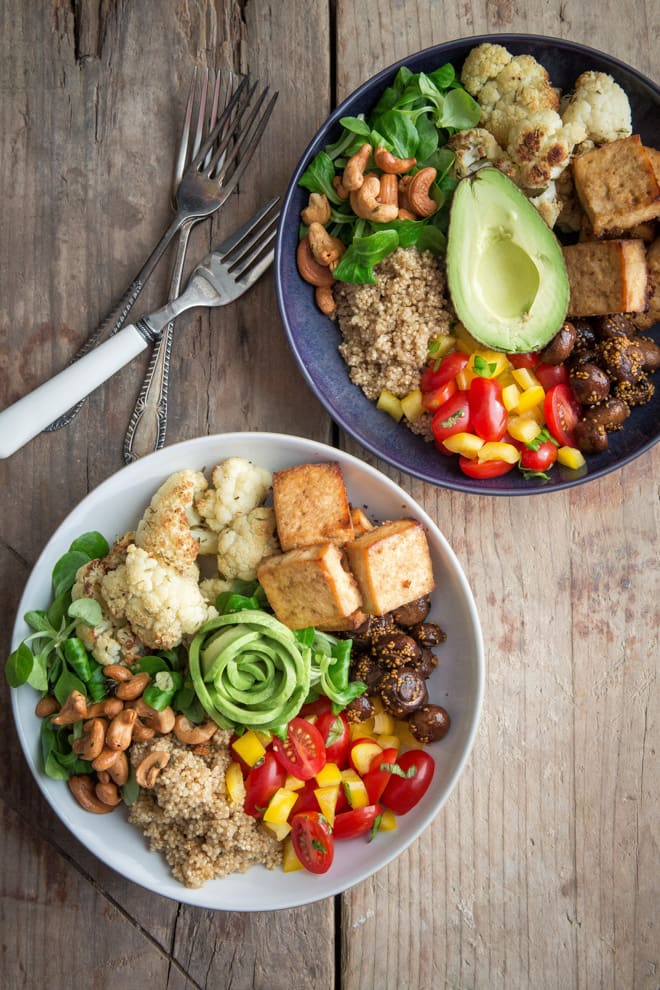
386	328
188	817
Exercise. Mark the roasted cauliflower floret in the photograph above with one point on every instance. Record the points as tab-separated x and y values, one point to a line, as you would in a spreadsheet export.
600	106
245	542
484	62
212	587
170	530
541	146
161	604
112	640
548	204
238	487
473	149
521	88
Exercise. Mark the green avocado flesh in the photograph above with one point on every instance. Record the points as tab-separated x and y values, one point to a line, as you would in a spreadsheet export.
505	268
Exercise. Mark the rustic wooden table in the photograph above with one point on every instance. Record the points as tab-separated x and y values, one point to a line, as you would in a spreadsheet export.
542	869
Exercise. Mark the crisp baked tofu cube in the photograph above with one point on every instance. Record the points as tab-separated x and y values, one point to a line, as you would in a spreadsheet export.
311	505
392	565
617	185
361	521
311	586
644	321
606	277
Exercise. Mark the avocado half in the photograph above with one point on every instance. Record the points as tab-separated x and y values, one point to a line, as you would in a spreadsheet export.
505	267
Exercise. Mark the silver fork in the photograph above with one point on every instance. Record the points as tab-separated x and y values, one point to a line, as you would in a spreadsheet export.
222	277
207	182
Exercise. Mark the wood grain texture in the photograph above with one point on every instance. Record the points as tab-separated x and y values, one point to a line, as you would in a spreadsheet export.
542	869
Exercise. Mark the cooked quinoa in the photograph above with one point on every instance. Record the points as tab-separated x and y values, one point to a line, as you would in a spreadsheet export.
188	817
386	328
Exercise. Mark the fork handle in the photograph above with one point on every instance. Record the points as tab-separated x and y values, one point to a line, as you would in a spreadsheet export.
147	427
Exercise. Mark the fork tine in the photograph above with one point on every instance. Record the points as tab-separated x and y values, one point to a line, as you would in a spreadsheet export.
252	136
182	155
243	232
201	115
251	248
239	129
223	119
250	276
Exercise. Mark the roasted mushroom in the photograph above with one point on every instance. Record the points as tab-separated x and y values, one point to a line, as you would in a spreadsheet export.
429	723
403	691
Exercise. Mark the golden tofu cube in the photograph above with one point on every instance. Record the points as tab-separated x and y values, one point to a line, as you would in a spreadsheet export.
606	277
311	505
617	185
392	565
311	586
645	320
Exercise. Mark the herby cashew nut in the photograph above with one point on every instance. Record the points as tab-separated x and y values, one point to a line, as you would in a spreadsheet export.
386	162
365	203
353	176
317	209
420	201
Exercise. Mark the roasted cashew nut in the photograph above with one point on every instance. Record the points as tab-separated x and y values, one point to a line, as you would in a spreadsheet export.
386	162
327	250
106	759
389	189
160	722
309	268
117	672
132	689
338	186
418	192
118	771
325	299
142	732
90	745
83	789
120	730
109	707
73	710
191	734
108	793
47	706
146	773
365	203
317	209
353	176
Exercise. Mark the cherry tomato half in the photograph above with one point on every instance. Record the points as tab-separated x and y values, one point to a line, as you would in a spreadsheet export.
487	411
562	412
403	793
450	365
453	416
541	459
317	707
312	841
260	785
551	374
336	736
357	821
483	469
377	779
523	360
438	396
302	753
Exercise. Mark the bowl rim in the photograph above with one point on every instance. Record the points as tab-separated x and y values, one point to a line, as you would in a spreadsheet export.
191	450
381	78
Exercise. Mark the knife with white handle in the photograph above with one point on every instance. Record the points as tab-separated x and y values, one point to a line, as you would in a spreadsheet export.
220	279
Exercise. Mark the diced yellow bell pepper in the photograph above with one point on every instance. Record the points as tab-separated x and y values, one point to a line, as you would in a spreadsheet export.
279	829
264	737
467	444
497	451
290	861
249	747
440	346
329	774
292	783
465	342
523	428
531	397
363	754
235	784
405	736
389	741
362	730
525	378
383	722
497	358
280	805
356	792
510	396
327	799
464	377
411	405
387	821
388	402
377	704
571	457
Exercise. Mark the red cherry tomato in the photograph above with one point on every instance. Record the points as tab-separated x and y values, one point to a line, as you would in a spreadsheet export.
312	841
403	793
438	396
562	412
483	469
306	800
551	374
260	785
452	417
377	779
541	459
357	821
336	736
302	753
317	707
523	360
450	365
487	411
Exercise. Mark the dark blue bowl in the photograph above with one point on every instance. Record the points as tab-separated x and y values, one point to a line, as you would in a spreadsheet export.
314	338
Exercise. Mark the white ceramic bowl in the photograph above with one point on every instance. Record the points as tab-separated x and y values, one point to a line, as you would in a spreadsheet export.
457	683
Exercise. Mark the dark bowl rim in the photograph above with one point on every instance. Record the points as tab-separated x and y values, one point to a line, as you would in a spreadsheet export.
381	78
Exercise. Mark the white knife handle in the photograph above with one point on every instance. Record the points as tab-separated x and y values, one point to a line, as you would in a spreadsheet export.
27	417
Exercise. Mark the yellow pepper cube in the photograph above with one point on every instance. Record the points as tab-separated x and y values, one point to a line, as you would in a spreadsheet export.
292	783
464	377
280	805
497	358
235	784
496	451
388	402
510	396
467	444
440	346
571	457
387	821
329	775
356	792
411	405
279	829
405	736
525	378
388	741
362	730
531	397
290	861
265	738
523	428
249	747
383	723
327	798
465	342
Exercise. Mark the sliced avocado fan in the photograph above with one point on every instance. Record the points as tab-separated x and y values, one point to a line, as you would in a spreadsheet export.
505	267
